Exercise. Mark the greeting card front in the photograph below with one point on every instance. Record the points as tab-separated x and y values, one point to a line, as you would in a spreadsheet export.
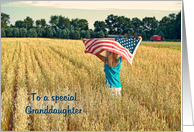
66	66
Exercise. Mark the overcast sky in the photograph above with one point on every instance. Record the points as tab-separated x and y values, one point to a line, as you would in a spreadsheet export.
90	10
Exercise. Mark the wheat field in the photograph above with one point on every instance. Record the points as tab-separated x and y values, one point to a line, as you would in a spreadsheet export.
151	90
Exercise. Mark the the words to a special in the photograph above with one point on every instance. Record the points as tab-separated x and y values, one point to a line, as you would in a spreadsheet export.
51	110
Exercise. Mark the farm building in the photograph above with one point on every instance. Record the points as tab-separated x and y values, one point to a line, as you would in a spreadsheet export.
156	38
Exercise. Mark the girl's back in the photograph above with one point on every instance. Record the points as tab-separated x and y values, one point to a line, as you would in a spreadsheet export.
112	74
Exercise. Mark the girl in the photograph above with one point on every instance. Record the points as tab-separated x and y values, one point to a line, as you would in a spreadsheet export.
112	65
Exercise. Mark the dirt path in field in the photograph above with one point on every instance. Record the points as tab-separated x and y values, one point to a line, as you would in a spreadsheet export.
150	42
31	116
7	67
14	94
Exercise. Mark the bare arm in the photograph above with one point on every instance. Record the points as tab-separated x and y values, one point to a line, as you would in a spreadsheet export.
122	59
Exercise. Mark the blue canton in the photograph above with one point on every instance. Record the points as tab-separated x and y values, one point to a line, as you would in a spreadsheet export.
128	43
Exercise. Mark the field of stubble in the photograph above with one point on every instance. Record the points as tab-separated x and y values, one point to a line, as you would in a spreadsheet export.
151	90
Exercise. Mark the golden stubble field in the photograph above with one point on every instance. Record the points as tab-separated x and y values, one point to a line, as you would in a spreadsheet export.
151	90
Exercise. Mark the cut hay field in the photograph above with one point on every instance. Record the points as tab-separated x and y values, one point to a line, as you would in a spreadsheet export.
151	90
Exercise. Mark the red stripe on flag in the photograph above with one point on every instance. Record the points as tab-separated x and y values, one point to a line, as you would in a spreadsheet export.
86	42
122	50
112	43
87	45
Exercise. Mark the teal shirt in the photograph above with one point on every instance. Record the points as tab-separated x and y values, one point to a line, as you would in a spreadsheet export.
112	74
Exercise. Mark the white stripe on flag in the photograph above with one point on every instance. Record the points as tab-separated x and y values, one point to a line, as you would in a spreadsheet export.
126	52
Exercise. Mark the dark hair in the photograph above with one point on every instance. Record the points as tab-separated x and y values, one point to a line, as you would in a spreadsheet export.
129	34
135	34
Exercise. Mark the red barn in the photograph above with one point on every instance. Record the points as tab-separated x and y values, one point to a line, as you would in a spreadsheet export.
156	38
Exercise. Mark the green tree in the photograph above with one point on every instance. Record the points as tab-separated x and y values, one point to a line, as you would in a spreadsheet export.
126	27
58	34
144	37
15	32
136	23
64	34
74	24
76	35
106	34
50	33
3	25
63	22
28	22
177	26
164	21
118	24
23	32
72	34
99	25
161	28
172	16
43	23
83	34
3	34
161	34
88	34
68	32
20	24
40	32
67	23
53	21
100	34
82	24
174	26
9	32
5	18
92	33
38	23
12	26
32	33
54	32
110	23
170	26
149	25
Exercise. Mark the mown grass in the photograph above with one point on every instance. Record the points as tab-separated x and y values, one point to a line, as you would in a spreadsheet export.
170	45
151	90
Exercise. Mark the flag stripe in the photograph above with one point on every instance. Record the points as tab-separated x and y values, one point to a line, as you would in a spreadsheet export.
104	42
88	44
114	47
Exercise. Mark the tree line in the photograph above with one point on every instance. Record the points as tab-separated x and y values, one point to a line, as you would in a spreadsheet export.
169	27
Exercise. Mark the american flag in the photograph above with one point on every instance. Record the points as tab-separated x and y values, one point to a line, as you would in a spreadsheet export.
125	47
